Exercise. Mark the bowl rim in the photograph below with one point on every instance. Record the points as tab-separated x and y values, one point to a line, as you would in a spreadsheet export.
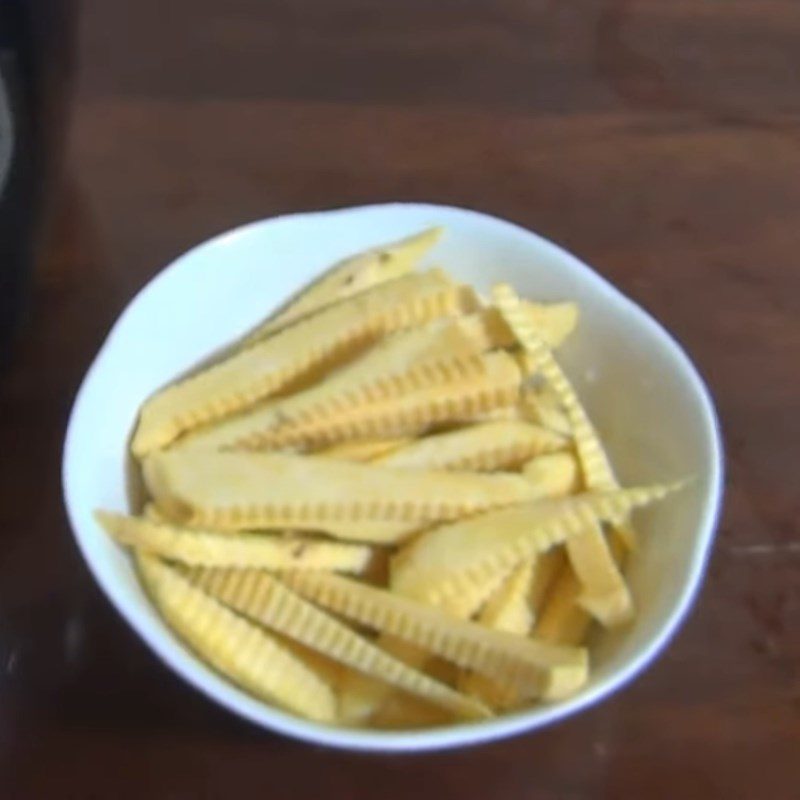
460	734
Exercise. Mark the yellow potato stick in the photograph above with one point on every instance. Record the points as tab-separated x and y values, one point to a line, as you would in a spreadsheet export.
365	701
245	491
371	532
487	382
232	550
558	402
484	447
351	276
258	371
508	609
542	407
363	449
439	352
330	671
537	669
282	424
552	474
264	599
508	413
594	461
497	696
562	619
622	530
243	652
474	596
448	559
604	593
546	567
224	434
511	608
595	465
553	321
361	699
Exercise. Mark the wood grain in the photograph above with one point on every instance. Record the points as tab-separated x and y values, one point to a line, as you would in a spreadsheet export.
659	141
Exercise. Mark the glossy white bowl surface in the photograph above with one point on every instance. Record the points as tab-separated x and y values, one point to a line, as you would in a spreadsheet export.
649	403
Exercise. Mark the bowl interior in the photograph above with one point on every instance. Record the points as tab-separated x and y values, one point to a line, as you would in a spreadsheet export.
646	399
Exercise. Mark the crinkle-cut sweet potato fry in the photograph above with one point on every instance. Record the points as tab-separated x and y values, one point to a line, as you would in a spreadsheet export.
486	383
258	371
484	447
448	559
209	548
537	670
243	491
243	652
350	276
605	593
439	352
262	598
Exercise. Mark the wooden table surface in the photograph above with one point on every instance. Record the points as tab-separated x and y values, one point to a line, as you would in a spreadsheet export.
659	140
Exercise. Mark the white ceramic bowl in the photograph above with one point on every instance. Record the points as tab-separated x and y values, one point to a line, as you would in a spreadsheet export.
650	405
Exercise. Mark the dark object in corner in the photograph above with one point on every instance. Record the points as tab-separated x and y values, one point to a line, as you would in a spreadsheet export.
35	49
